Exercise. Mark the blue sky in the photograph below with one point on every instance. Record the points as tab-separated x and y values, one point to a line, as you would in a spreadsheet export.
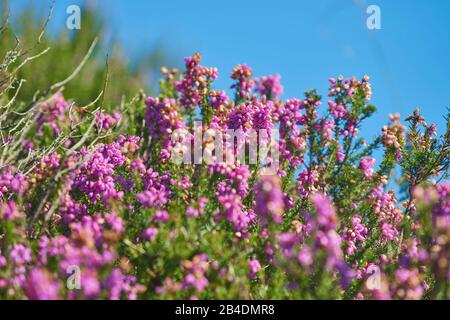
306	42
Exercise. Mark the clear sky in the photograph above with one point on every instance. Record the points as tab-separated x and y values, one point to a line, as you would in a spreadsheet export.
306	42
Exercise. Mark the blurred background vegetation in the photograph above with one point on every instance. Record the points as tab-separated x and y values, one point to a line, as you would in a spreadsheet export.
67	50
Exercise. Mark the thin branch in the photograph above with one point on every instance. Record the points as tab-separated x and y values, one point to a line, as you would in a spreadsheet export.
41	34
77	70
28	59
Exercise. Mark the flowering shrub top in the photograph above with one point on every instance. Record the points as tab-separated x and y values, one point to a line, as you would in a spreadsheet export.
92	205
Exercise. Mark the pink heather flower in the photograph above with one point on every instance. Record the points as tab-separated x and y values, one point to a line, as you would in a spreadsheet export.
163	118
242	73
263	118
431	130
106	121
287	242
89	228
184	183
114	284
408	285
119	284
269	86
138	165
197	282
254	267
194	82
327	128
442	208
195	272
339	154
157	191
160	216
11	182
326	215
115	222
234	212
90	284
327	237
366	165
331	242
51	161
349	129
346	273
236	179
71	210
269	199
354	234
290	115
305	257
2	260
270	252
241	117
52	113
199	209
40	286
338	110
111	176
202	204
150	233
192	212
306	182
96	176
149	199
20	254
10	211
384	206
218	98
389	232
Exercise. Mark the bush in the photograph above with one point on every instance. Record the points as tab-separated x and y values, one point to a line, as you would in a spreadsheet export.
94	205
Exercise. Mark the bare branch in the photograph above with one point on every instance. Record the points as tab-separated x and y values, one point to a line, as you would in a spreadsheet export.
77	70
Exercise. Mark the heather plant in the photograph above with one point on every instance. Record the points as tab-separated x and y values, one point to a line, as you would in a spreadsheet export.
93	205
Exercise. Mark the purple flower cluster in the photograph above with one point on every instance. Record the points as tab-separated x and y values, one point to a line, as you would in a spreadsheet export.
384	205
366	165
156	189
254	267
195	270
106	121
11	182
327	236
53	113
269	199
195	82
162	118
269	86
292	140
355	234
41	286
96	175
243	86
